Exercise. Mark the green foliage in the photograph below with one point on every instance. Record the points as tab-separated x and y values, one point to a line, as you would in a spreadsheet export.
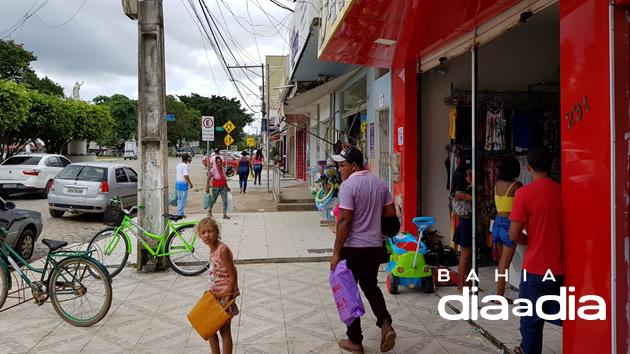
223	109
15	61
193	132
45	85
178	129
14	107
124	111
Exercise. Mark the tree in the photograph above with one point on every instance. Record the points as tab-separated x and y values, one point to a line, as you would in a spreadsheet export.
45	85
14	108
223	110
15	61
178	129
124	111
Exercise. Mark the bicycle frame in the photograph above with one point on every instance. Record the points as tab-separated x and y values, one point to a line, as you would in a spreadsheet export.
7	252
160	251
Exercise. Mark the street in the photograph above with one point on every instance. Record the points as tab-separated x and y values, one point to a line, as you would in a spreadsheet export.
80	228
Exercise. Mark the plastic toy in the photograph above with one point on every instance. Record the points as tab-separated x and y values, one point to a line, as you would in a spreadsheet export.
407	265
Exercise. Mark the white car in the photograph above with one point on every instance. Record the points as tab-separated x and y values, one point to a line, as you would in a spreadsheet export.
30	173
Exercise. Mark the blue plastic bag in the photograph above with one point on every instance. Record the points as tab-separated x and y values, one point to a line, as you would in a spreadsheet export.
346	294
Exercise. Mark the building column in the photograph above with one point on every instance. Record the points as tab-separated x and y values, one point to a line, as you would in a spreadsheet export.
404	159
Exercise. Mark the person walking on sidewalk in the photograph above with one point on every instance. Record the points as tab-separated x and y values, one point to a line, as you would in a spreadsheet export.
182	183
259	161
538	208
363	200
244	166
219	186
223	279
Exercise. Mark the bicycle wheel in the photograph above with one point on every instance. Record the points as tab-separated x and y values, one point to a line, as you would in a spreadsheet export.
78	297
190	255
111	250
4	286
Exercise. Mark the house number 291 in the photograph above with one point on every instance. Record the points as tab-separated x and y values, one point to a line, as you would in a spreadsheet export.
577	113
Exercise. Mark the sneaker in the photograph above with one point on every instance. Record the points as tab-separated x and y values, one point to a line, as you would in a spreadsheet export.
347	345
388	337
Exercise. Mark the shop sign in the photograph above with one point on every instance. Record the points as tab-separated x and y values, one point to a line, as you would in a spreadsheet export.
331	19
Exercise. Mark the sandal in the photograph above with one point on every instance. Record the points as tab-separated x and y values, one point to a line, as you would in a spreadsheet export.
226	217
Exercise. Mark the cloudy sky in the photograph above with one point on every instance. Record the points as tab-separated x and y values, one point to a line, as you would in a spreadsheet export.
94	42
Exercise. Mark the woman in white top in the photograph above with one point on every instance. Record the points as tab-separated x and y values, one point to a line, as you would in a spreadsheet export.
182	183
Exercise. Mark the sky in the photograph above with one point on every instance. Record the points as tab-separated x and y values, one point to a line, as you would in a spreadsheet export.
93	42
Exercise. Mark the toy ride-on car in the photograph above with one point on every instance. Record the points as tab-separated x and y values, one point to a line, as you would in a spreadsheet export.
407	265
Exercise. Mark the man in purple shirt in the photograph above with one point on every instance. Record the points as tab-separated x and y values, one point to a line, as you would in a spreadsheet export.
363	200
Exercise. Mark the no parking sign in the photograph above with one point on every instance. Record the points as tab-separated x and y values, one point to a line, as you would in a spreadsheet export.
207	128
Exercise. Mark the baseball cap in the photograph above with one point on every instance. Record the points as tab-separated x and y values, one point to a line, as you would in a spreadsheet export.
350	154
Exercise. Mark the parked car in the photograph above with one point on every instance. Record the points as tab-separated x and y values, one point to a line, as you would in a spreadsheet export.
230	157
87	187
130	154
22	234
30	173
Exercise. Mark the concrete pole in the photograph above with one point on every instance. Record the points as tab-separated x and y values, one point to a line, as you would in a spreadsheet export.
153	184
268	108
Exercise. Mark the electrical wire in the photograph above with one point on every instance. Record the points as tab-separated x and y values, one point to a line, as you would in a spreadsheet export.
70	19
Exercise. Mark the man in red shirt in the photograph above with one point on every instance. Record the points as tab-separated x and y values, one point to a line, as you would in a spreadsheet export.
538	208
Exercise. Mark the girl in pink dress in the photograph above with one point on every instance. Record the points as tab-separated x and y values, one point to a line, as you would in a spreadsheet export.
223	278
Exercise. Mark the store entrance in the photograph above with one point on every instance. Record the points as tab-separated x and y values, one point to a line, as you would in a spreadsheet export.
514	107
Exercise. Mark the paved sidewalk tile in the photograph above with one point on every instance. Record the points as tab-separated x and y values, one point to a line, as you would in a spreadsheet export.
284	308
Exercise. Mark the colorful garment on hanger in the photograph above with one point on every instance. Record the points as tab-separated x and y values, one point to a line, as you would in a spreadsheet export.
495	130
452	118
525	177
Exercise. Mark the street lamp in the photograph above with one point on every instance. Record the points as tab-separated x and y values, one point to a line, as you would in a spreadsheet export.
130	7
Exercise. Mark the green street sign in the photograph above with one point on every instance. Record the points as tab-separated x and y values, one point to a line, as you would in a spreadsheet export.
219	129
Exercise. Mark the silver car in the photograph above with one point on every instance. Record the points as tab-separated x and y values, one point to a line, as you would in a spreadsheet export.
23	233
87	187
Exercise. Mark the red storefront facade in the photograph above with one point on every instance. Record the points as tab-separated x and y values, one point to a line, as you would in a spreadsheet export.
594	95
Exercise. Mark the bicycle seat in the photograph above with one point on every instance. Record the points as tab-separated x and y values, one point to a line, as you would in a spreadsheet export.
54	245
173	217
423	222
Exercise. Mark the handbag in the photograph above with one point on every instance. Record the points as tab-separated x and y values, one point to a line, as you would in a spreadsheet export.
172	200
346	294
251	174
230	202
390	225
208	315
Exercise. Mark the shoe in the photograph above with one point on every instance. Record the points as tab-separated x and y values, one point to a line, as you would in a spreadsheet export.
348	346
388	337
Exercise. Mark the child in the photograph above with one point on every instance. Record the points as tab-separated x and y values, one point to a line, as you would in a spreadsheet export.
504	191
223	278
462	207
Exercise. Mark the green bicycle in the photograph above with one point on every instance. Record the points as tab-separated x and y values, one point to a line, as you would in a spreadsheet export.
185	252
78	297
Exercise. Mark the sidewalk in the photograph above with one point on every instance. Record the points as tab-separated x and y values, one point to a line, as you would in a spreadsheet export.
285	307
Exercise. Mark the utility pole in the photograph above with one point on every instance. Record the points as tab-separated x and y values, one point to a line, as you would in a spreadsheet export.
153	184
262	107
267	126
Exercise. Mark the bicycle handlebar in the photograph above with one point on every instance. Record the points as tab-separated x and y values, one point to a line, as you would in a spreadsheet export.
117	199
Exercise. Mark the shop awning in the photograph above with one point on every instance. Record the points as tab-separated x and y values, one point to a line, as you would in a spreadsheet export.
298	101
385	33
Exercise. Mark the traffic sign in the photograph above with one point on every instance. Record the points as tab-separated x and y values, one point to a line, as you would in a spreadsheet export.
228	140
207	128
250	141
219	129
170	117
229	126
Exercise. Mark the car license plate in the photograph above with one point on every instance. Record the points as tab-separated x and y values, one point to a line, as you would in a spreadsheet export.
9	186
74	190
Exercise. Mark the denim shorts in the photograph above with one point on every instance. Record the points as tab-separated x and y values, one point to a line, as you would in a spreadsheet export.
501	231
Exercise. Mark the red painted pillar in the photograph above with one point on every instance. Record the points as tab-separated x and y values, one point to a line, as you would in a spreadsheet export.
586	166
405	184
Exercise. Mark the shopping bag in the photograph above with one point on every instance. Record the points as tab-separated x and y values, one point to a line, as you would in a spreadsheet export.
206	201
346	294
230	202
251	174
172	200
208	316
